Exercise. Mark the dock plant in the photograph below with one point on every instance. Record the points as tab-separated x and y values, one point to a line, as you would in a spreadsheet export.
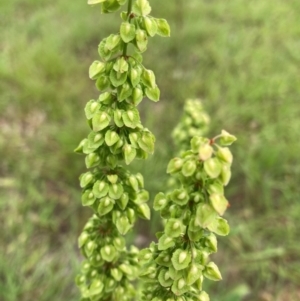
175	266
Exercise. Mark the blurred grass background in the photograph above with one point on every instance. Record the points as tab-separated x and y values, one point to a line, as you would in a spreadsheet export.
241	57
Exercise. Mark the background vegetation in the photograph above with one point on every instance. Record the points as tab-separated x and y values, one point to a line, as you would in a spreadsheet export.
240	57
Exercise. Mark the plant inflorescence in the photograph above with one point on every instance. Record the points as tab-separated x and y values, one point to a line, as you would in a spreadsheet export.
172	269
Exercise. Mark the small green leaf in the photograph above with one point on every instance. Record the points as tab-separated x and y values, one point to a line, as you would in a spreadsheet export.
153	93
127	32
163	28
96	69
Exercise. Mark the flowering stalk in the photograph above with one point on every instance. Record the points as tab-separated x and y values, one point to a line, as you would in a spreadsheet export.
116	196
175	267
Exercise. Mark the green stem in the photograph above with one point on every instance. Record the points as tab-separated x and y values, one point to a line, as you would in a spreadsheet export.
129	9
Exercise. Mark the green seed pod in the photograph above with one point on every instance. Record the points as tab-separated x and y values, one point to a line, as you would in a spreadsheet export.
225	154
164	278
100	121
127	32
212	167
205	214
163	28
96	287
108	253
96	69
189	168
218	202
179	196
141	8
165	242
148	78
174	227
88	198
106	204
226	139
205	152
181	259
212	272
150	26
160	201
175	165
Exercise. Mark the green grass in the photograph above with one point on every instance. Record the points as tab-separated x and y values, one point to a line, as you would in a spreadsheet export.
241	57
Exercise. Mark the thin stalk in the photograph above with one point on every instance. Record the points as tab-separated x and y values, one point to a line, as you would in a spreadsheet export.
129	9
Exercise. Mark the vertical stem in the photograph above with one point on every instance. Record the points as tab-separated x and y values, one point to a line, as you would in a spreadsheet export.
129	9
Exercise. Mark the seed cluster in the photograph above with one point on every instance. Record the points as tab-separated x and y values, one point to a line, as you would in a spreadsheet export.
175	267
116	196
